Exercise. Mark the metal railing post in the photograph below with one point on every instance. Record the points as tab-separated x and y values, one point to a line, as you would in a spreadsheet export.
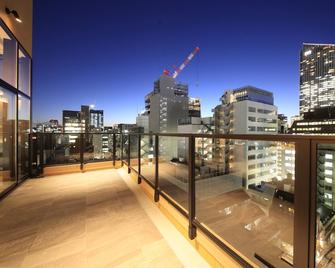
81	151
121	147
30	155
139	180
192	231
128	154
41	150
156	196
114	149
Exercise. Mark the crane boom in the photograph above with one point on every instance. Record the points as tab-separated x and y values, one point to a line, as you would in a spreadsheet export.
185	62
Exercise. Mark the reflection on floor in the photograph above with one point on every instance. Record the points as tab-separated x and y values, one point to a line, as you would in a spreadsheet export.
79	220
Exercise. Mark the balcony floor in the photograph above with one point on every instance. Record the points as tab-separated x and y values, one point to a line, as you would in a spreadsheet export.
92	219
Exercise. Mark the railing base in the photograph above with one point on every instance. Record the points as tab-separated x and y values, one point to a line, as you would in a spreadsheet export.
192	232
156	196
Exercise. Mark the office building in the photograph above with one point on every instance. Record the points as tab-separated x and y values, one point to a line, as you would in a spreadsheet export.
96	120
317	90
167	103
321	121
52	126
247	110
317	76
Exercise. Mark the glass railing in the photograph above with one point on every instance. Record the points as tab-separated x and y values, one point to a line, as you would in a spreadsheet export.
267	200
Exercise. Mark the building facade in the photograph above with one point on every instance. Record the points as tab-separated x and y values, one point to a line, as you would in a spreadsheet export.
167	103
15	93
96	120
317	76
247	110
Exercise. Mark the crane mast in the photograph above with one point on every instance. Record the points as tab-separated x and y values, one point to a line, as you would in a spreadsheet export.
178	70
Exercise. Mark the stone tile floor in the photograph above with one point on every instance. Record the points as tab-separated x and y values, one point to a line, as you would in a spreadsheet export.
87	219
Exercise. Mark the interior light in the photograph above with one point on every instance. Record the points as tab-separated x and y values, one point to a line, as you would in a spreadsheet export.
15	14
308	52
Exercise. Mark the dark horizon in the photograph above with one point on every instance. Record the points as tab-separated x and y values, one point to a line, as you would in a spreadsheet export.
109	54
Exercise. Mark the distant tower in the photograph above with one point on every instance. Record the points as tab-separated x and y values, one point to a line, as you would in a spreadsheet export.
317	76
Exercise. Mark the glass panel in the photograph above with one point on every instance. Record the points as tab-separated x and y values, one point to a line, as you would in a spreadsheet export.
125	139
117	150
325	210
173	168
245	195
23	136
61	148
134	151
148	157
24	72
8	57
98	147
7	138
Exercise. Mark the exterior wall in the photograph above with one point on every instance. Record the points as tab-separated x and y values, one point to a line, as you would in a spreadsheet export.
317	76
247	111
168	103
22	31
143	121
326	172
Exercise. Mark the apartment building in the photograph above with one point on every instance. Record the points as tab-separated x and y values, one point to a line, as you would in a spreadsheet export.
247	110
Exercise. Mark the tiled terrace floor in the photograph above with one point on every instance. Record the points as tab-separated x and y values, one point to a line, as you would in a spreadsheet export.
90	219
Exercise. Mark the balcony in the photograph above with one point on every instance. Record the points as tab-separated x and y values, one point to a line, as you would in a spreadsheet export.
278	221
92	219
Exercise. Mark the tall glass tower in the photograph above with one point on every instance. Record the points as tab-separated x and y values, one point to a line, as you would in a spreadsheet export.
317	76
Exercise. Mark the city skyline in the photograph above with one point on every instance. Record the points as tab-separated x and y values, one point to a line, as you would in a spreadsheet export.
118	52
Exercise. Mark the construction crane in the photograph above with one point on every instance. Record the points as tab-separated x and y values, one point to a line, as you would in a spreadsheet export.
178	70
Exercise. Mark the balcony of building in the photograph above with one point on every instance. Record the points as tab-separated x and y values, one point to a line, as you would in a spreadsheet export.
91	188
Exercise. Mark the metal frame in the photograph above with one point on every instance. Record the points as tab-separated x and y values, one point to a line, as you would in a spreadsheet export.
139	179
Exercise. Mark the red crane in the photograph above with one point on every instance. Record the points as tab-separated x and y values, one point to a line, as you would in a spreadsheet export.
178	70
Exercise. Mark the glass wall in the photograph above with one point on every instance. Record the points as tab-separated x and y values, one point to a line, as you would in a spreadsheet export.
98	147
325	208
24	72
148	157
61	148
8	56
15	70
23	136
133	139
7	139
173	168
245	195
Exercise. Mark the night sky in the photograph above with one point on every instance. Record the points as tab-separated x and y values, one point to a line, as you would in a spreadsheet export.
109	53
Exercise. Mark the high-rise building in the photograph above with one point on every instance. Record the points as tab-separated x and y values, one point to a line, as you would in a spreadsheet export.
96	120
317	90
167	103
72	123
321	121
317	76
247	110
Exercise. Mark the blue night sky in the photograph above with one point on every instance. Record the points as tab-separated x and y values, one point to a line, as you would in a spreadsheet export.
108	53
